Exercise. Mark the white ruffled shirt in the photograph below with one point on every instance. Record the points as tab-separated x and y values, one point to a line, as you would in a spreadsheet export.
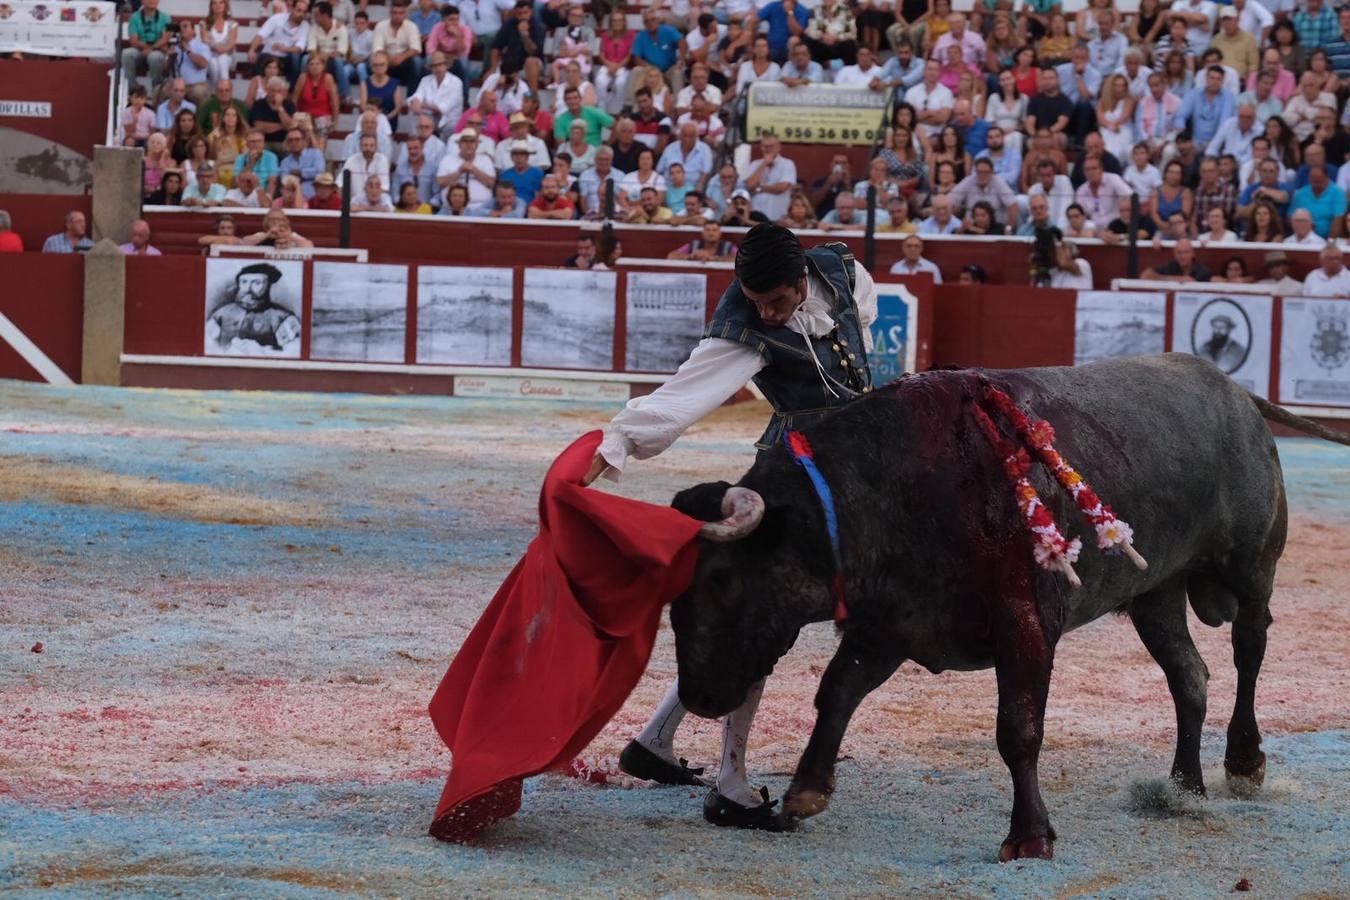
716	369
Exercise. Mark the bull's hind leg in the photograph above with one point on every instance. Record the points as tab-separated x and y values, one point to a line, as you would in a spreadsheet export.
1253	586
1160	619
1023	657
856	670
1243	757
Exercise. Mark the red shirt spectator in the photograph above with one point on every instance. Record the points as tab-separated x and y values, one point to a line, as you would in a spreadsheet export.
10	242
326	195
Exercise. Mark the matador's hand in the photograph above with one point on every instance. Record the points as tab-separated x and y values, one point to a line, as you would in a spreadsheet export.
598	467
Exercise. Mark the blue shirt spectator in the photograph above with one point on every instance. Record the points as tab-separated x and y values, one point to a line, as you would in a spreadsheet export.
427	190
1326	207
306	167
660	48
812	73
527	183
697	160
976	137
1316	28
1008	166
1207	109
776	14
424	19
1068	80
908	75
1249	193
484	210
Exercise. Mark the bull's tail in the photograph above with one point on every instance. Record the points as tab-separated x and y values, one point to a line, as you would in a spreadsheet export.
1279	414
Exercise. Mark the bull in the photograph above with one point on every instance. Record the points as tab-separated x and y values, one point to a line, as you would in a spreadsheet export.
938	565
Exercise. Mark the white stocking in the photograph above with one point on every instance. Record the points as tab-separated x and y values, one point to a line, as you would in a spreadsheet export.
732	781
658	735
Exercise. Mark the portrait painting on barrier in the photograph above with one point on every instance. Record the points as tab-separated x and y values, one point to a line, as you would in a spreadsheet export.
666	315
1315	352
360	312
1111	324
464	316
1231	331
253	308
569	319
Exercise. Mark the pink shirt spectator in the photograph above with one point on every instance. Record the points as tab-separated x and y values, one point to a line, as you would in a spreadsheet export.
615	49
1284	86
494	126
951	75
129	249
972	46
137	125
441	39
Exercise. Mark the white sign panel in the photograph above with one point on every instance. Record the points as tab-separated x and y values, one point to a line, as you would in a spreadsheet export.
464	315
25	109
569	319
1315	353
1230	330
512	387
360	312
1111	324
666	312
80	28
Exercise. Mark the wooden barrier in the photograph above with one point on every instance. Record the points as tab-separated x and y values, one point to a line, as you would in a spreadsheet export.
42	301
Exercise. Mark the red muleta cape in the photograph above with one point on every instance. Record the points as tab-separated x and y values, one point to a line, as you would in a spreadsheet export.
561	645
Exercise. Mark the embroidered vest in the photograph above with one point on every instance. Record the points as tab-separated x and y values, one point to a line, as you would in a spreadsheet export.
790	380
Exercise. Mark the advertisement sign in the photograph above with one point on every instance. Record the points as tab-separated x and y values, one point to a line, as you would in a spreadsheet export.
82	28
1231	331
511	387
815	113
1315	353
1112	324
894	347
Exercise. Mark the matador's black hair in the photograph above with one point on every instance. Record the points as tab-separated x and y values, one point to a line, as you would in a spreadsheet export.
770	256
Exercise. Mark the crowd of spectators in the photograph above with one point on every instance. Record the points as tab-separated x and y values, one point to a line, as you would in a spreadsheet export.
1226	121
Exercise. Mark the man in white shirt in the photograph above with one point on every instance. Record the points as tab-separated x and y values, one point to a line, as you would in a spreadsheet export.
1332	279
698	86
440	94
469	166
1199	16
800	69
402	43
1135	72
433	148
369	161
942	220
1301	233
865	74
1235	135
1056	188
1255	18
1278	277
370	122
931	99
770	179
787	293
1300	113
1070	272
520	131
283	37
913	262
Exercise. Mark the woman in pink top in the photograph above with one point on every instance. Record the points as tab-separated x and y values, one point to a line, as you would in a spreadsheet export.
616	55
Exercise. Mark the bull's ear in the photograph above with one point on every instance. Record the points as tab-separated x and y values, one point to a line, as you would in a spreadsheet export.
702	501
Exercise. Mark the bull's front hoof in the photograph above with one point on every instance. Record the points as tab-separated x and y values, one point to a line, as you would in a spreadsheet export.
1248	774
1030	848
727	813
803	803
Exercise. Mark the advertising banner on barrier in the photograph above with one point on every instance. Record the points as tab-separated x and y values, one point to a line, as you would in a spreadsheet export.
1315	352
666	313
81	28
514	387
894	334
816	113
1230	330
569	319
1110	324
253	308
360	312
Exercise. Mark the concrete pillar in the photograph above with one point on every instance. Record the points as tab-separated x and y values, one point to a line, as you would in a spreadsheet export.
105	288
118	176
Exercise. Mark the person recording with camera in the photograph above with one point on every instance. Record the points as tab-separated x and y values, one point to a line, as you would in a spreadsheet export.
1070	272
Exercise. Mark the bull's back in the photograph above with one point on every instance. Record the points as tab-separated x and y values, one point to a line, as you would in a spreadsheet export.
1177	448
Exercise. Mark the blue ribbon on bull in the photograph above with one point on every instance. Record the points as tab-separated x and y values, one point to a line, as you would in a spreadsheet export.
800	448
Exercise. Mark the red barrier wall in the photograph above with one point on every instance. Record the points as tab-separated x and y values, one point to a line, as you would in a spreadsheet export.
492	242
43	295
36	216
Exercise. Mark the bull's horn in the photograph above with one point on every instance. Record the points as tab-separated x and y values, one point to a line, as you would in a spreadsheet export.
743	509
1139	562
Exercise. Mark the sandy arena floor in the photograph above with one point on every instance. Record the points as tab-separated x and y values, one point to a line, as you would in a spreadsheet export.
246	600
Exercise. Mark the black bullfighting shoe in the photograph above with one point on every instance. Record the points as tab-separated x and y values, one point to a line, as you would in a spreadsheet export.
719	810
638	761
